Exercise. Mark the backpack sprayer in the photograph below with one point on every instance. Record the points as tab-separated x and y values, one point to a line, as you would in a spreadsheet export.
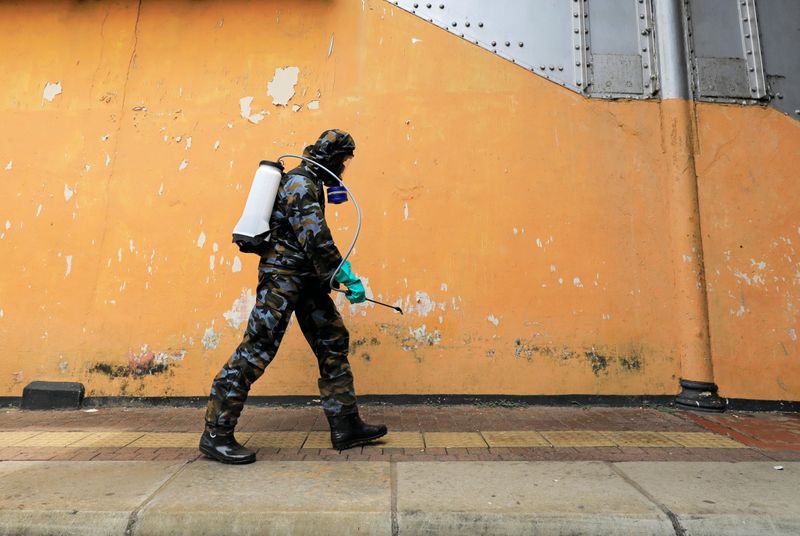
252	230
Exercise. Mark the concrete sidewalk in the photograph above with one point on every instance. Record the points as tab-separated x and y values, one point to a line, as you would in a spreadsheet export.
330	498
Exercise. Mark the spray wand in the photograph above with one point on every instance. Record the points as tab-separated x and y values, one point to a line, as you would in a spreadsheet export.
355	237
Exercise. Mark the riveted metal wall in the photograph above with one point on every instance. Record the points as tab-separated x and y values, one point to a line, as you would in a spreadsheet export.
736	50
780	45
603	48
724	49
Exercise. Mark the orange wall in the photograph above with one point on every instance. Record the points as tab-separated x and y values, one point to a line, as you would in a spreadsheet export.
523	227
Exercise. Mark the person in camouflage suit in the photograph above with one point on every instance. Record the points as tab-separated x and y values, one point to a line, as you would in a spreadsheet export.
293	276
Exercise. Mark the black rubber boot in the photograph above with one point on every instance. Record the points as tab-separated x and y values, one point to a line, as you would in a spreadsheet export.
348	431
222	446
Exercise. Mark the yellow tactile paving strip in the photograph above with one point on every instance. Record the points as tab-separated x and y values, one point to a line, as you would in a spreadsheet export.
703	440
640	439
454	440
318	440
53	439
171	440
276	440
515	439
13	439
107	439
578	439
409	440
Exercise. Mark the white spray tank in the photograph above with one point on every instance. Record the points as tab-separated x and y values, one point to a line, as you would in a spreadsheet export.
252	231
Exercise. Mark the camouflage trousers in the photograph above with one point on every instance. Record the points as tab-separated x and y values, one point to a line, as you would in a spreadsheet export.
279	295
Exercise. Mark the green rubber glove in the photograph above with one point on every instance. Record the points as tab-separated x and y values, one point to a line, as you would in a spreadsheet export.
355	289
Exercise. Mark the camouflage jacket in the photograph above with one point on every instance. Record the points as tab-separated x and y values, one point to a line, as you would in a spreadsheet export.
301	241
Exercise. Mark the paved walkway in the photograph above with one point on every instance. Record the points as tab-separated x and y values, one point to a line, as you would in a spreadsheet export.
518	470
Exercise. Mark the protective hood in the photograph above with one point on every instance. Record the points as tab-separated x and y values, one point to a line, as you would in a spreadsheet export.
330	150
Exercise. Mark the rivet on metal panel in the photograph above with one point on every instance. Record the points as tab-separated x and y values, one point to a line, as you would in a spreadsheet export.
560	67
428	6
508	43
480	25
542	67
441	6
494	43
521	44
552	67
467	24
454	24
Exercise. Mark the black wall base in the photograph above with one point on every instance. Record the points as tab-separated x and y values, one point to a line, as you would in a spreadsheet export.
700	396
662	401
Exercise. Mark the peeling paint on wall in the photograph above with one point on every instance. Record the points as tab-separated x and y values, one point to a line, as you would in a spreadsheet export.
211	338
51	90
244	110
240	310
68	192
281	87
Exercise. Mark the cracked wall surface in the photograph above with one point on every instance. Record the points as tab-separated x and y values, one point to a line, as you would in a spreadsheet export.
522	227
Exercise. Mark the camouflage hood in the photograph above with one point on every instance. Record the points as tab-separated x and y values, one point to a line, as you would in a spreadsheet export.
330	150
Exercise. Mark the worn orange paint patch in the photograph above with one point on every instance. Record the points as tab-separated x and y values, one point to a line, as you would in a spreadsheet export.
522	227
750	196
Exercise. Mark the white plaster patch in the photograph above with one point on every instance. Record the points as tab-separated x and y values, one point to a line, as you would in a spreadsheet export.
539	243
494	320
216	145
515	231
8	225
244	109
577	282
297	107
104	137
423	303
68	192
38	210
281	87
405	211
553	268
414	40
51	91
201	239
738	312
237	265
2	313
211	338
422	336
10	165
793	334
313	105
183	165
687	258
188	142
108	159
240	310
68	258
212	259
215	247
443	288
330	47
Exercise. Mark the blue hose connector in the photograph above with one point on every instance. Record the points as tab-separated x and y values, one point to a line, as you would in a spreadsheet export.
337	195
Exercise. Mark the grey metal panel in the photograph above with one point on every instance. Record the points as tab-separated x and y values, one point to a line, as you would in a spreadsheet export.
724	45
553	38
716	29
722	77
614	27
536	34
779	21
617	73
